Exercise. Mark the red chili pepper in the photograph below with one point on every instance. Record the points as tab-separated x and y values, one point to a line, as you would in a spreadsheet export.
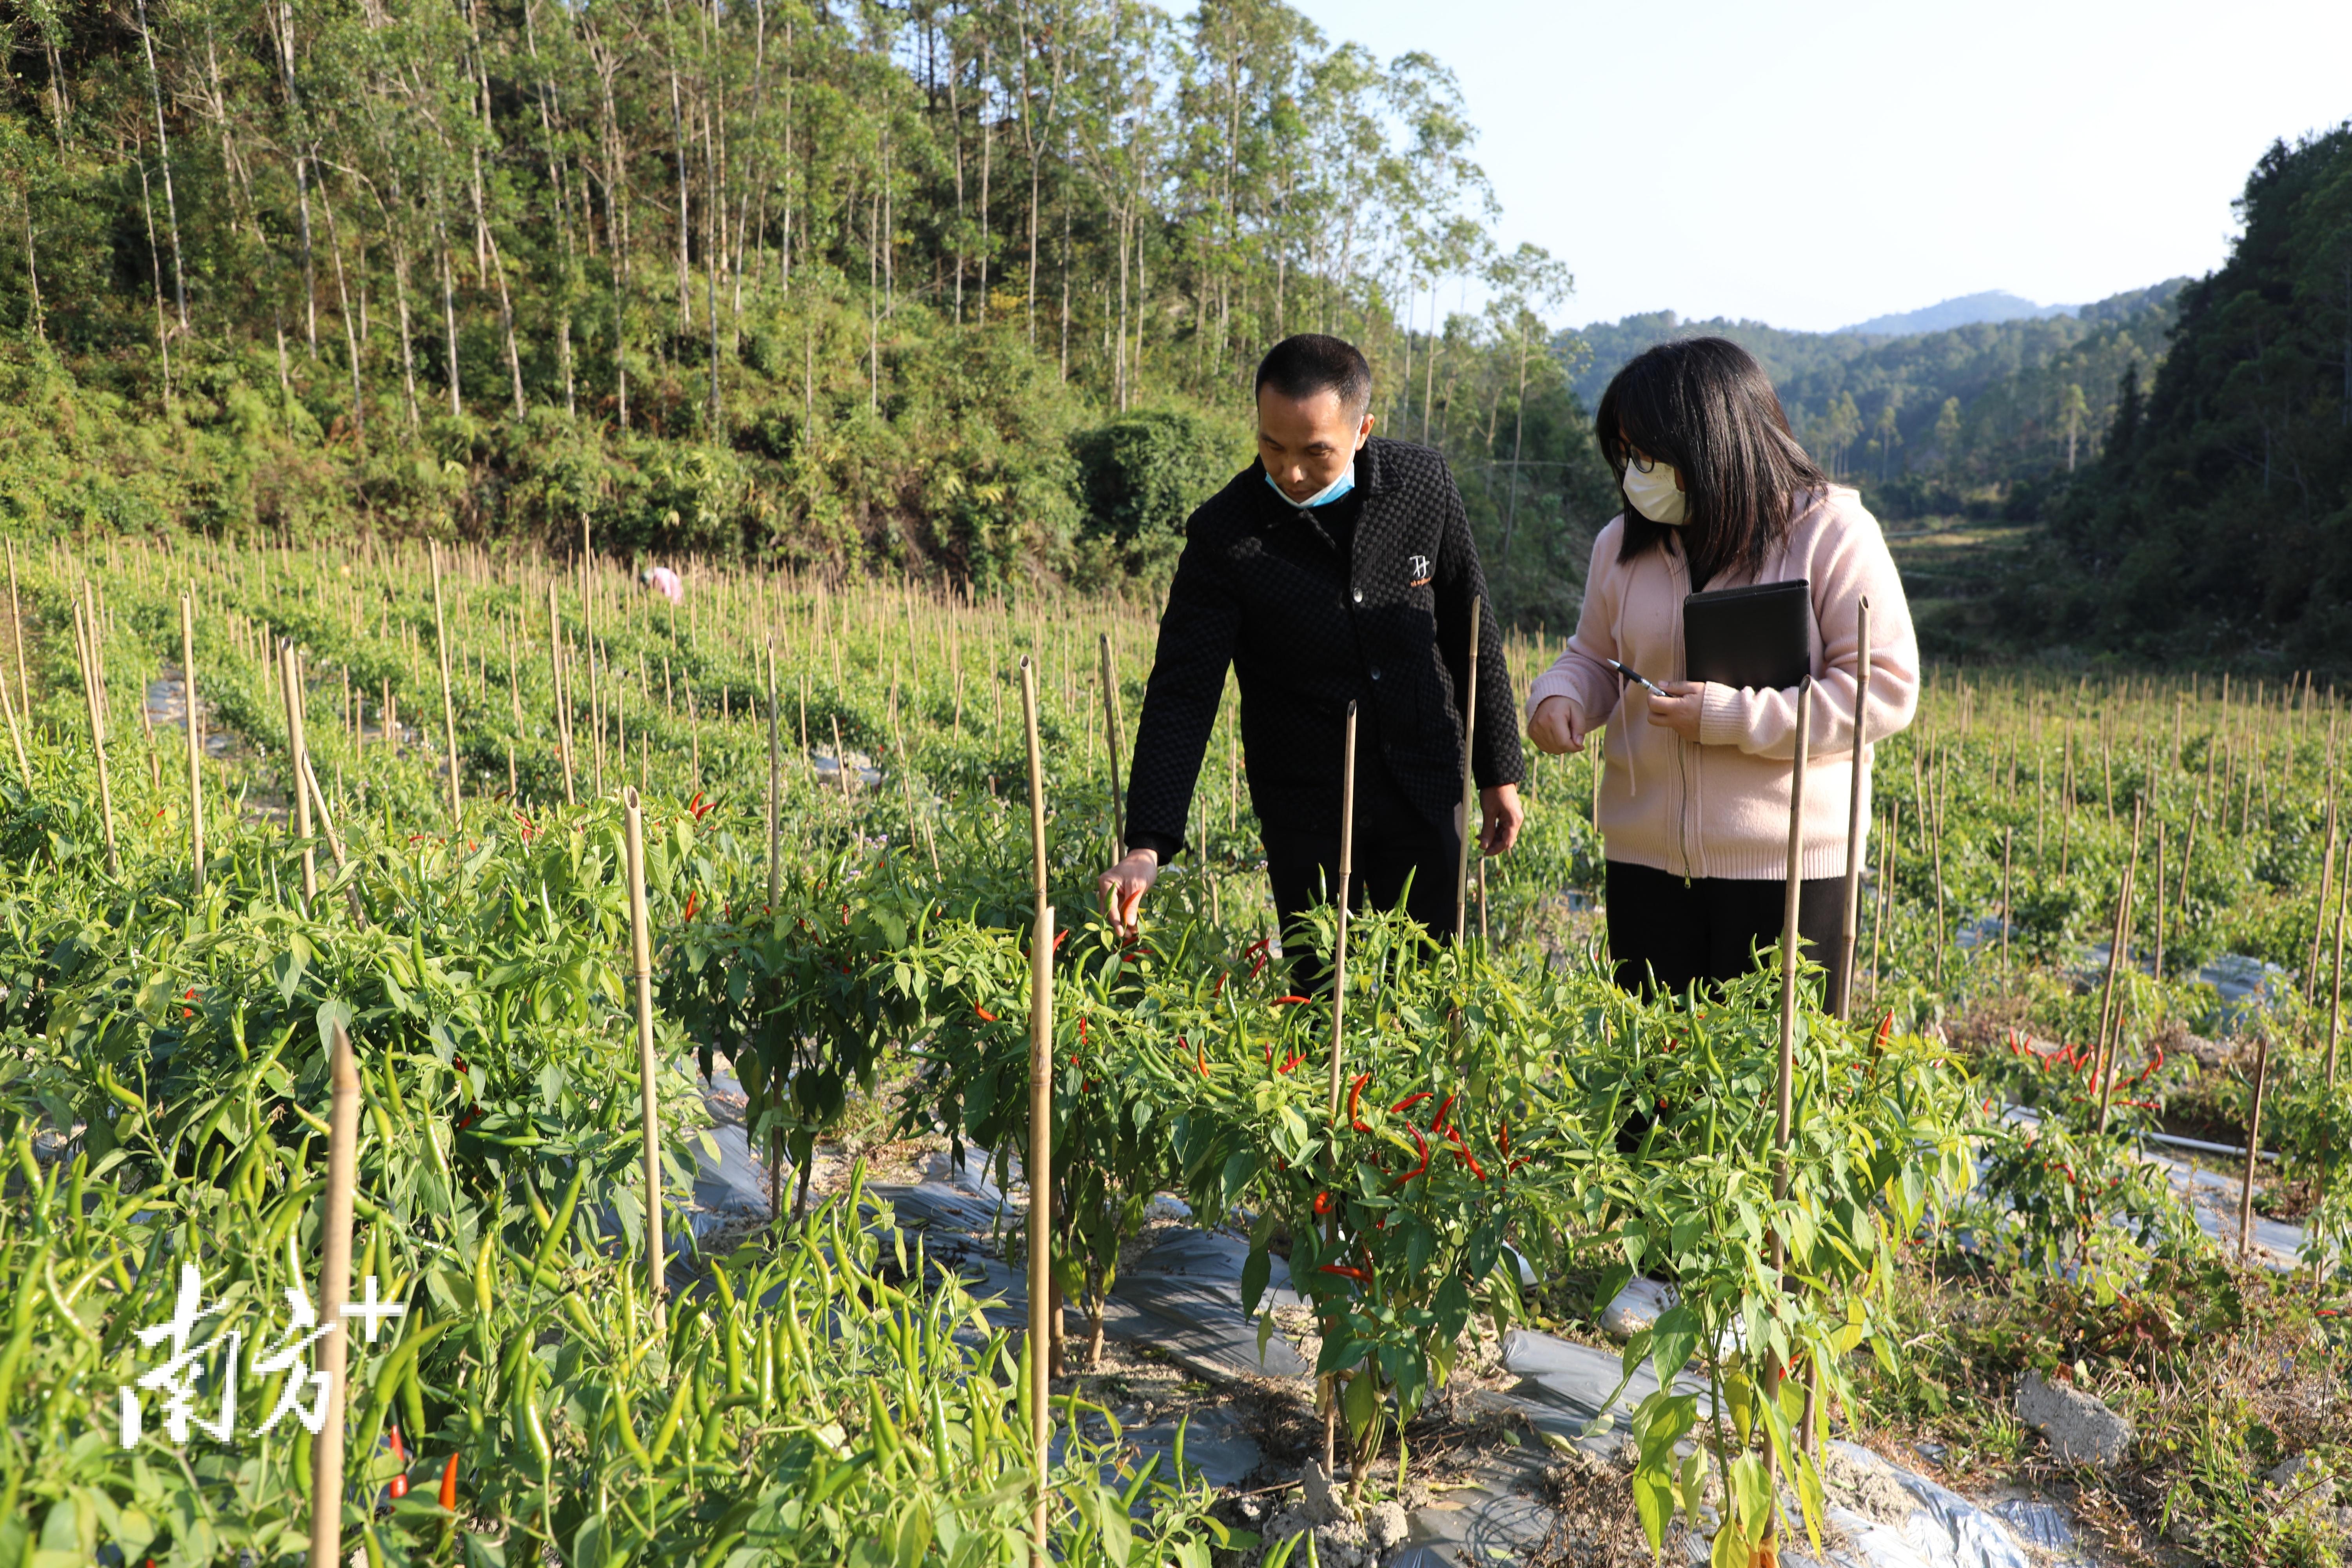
1199	1055
1467	1157
1222	978
1322	1204
1408	1102
449	1483
1357	1275
985	1016
1082	1029
692	899
1437	1123
1292	1061
1423	1145
1502	1137
1885	1029
1287	1001
1355	1091
1061	939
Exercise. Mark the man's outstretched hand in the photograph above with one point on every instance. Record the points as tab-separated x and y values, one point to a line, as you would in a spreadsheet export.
1500	814
1123	886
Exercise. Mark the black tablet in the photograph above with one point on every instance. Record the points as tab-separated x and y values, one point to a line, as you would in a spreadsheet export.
1754	637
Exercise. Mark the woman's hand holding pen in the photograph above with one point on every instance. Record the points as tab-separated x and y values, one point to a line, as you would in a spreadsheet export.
1678	709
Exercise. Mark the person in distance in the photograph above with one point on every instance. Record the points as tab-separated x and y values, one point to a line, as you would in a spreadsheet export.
1694	803
1338	566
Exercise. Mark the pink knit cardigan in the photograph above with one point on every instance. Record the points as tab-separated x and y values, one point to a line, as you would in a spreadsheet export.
1719	806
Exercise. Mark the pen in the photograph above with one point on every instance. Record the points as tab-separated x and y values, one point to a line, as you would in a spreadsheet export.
1636	676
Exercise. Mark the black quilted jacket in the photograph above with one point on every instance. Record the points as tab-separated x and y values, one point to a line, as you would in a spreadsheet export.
1262	586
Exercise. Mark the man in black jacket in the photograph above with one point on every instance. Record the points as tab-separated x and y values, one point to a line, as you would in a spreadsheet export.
1337	567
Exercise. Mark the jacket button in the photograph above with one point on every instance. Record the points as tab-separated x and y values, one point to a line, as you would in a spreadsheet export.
1360	596
1376	672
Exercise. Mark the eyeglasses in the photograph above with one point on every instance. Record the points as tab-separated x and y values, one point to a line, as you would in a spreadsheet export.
1640	464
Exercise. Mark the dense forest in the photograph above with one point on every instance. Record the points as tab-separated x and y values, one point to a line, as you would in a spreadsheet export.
1987	419
2218	519
968	290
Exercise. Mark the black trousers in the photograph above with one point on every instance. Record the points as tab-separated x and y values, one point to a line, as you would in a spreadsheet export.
1305	872
1666	932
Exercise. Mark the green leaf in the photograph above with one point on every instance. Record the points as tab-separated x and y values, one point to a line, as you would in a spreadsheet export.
1672	1339
1256	1270
1654	1499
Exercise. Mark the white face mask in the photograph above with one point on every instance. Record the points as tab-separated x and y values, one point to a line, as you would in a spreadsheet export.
1655	495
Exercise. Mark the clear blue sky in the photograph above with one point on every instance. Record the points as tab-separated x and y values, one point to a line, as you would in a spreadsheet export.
1814	162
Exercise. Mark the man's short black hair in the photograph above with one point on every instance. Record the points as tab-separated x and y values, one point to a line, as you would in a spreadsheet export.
1307	363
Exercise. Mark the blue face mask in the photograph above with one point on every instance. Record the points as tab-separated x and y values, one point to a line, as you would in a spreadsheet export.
1324	497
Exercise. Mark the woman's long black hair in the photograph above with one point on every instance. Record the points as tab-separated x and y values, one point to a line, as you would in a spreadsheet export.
1705	406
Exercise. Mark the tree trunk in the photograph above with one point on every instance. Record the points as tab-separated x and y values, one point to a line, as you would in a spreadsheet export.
282	16
343	303
448	307
163	153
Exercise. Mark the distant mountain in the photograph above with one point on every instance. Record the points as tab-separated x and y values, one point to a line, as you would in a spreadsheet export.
1992	305
1872	406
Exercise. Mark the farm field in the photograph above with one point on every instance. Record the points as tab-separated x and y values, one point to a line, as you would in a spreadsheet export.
2099	957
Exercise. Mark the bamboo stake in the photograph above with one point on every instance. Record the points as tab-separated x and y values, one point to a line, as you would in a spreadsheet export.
16	739
2254	1146
448	711
2118	954
17	626
2326	885
2007	834
2157	966
775	792
1784	1099
1111	728
1849	924
2336	986
555	677
289	683
1469	782
596	709
2188	850
334	1290
1039	1162
1041	1237
1329	1389
86	648
641	960
334	839
907	781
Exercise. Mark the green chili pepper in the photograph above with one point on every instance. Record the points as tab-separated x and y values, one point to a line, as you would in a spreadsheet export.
670	1418
21	1334
536	1429
618	1403
483	1283
563	1221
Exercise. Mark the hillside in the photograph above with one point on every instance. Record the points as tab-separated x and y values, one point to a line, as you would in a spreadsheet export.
1975	418
2218	525
958	295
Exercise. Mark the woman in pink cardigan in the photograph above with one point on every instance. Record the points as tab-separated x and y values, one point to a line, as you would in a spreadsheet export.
1694	800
